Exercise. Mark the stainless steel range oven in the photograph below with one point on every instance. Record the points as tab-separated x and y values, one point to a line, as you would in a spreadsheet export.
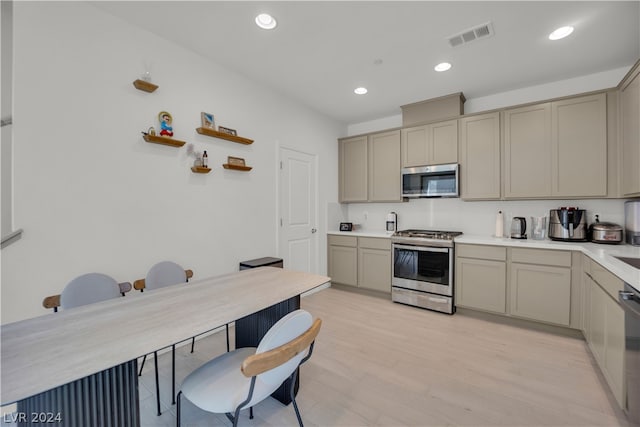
422	269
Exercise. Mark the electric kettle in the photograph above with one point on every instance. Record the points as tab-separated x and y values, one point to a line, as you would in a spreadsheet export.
518	228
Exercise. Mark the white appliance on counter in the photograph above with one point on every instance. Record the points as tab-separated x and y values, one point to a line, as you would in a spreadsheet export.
422	269
632	222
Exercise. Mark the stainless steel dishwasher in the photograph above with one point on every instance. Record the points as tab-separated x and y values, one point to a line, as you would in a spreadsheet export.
630	300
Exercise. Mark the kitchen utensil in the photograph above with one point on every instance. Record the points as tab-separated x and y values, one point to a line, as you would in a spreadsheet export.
605	232
538	227
518	227
568	224
632	221
392	221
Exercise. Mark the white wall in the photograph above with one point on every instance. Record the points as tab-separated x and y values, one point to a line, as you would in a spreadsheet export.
91	195
476	218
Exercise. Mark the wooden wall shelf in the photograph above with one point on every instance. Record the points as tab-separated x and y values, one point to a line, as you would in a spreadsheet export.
237	167
145	86
163	140
200	169
222	135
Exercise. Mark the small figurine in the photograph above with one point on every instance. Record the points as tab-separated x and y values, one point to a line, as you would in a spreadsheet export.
165	123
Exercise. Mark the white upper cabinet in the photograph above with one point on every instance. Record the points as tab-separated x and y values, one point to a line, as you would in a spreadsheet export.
630	133
480	157
579	147
432	144
556	149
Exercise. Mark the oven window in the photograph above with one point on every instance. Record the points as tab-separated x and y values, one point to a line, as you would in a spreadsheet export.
423	266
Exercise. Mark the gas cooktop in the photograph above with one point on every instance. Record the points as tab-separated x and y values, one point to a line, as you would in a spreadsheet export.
428	234
425	237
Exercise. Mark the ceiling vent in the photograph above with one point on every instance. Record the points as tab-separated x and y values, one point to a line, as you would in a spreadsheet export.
467	36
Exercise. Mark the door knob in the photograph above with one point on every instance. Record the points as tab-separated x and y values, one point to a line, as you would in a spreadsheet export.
313	230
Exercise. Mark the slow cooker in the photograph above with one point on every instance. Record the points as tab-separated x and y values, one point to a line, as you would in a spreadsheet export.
605	232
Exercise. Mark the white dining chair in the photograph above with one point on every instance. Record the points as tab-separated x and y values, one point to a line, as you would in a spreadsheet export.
160	275
88	289
244	377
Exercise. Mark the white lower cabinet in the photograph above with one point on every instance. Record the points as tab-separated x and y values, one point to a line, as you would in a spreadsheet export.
604	329
540	285
480	282
363	262
541	292
343	259
528	283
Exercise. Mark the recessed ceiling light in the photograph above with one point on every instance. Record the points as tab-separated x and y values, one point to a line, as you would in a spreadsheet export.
266	21
560	33
443	66
360	90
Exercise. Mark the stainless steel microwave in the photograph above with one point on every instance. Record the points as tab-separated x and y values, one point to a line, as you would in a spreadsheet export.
430	181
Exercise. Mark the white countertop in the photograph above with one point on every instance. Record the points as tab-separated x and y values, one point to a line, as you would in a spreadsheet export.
383	234
603	254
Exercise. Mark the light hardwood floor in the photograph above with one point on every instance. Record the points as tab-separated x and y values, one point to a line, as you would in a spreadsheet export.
377	363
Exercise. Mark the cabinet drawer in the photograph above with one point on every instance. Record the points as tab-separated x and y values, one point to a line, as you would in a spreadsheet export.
541	257
343	240
607	280
374	243
497	253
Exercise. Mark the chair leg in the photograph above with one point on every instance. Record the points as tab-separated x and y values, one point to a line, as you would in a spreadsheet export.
193	343
227	325
235	417
293	397
173	374
144	359
251	413
178	410
155	360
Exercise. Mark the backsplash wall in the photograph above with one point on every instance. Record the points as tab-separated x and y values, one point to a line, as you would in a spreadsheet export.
476	218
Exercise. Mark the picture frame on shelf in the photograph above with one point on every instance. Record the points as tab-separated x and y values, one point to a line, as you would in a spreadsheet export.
228	131
235	161
208	120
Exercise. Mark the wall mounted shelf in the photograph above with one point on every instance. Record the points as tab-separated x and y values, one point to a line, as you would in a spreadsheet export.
200	169
222	135
237	167
145	86
163	140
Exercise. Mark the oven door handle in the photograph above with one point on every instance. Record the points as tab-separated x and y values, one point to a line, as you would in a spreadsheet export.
421	248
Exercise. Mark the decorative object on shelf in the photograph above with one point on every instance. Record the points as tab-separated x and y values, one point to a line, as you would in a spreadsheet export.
236	163
165	123
164	140
145	86
208	121
228	131
151	131
205	159
222	135
200	169
197	156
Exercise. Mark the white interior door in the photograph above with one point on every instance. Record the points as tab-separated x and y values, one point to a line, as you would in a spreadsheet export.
298	237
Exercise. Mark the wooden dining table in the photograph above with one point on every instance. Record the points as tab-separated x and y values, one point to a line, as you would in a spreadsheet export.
82	362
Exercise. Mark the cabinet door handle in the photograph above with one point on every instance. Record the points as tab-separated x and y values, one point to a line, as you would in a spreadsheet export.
313	230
